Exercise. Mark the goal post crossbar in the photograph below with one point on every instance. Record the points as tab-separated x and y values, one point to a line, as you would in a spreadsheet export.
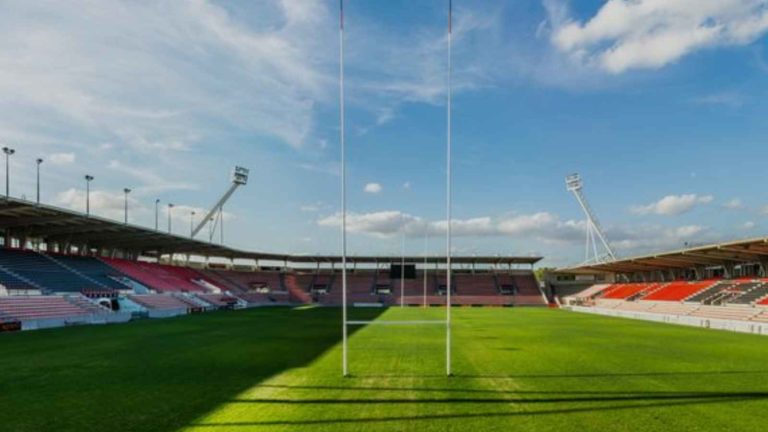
391	322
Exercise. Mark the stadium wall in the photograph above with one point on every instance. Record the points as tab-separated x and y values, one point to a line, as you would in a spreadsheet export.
710	323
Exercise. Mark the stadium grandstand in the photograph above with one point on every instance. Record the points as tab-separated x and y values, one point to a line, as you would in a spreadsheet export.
111	325
721	285
61	267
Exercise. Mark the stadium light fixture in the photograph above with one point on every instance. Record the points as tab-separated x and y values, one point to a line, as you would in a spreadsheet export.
88	179
192	224
8	153
126	191
574	184
39	162
157	213
170	206
239	178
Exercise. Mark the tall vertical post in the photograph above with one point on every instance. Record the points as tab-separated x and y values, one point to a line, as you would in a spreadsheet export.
426	248
574	184
39	161
448	201
7	175
88	179
126	191
157	214
402	261
8	153
344	360
170	206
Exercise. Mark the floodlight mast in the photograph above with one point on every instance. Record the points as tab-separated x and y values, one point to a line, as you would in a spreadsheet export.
574	185
239	178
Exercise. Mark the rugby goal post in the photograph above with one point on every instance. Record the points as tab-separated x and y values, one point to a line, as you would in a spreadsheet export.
346	323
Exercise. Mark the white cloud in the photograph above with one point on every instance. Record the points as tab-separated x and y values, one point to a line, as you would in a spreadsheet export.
407	185
378	224
542	227
102	203
649	34
61	158
332	169
312	207
205	66
672	205
149	179
111	205
729	99
647	238
748	225
734	204
372	188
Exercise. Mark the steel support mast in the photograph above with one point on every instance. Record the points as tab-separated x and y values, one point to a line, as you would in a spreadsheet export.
239	178
574	185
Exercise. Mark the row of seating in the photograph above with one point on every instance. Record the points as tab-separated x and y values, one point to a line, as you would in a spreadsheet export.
740	313
162	301
159	277
106	277
711	291
23	269
45	307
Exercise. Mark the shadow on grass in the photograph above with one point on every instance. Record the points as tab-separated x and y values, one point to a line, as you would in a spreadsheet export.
155	375
490	391
636	397
565	375
636	402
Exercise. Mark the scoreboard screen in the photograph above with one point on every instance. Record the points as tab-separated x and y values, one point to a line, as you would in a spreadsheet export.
396	270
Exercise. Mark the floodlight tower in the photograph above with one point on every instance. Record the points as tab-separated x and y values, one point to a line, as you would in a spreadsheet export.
574	184
239	178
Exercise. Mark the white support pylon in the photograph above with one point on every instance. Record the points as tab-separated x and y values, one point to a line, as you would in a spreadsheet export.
345	349
574	185
448	180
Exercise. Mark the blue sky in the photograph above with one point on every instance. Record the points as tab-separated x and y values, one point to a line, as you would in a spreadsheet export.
656	103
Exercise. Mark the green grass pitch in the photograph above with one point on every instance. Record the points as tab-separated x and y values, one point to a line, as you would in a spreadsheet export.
278	369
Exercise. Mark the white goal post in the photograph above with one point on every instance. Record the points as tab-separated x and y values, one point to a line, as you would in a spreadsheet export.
346	323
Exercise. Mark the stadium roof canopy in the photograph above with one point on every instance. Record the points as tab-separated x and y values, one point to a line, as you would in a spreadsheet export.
27	220
715	255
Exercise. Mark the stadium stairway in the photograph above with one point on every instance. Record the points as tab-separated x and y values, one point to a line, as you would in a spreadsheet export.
296	292
131	307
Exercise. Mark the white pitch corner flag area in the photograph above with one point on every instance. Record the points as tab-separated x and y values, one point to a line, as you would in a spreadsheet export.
346	323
